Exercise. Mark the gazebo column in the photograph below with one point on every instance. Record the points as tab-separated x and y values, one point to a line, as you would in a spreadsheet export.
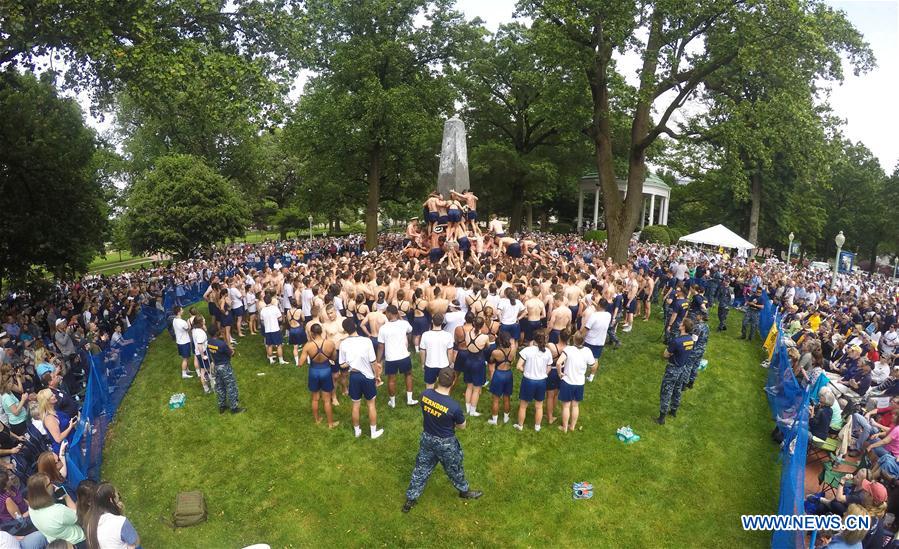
580	209
652	208
596	209
643	216
664	213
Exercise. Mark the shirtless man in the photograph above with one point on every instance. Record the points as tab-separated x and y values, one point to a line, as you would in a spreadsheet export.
559	318
573	296
371	327
510	246
413	234
438	304
470	201
631	289
535	313
496	227
432	207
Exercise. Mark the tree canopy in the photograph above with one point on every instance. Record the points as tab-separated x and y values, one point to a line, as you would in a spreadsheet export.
180	206
52	192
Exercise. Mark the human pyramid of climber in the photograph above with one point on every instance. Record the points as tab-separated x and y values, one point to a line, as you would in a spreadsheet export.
450	233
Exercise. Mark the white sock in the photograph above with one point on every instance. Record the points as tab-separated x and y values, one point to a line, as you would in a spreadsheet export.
357	430
494	418
505	418
536	427
374	429
409	397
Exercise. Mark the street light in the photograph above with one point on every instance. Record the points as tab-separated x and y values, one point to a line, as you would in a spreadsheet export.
895	266
310	227
790	248
839	240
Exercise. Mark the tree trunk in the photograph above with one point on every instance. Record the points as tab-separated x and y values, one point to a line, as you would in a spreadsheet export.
337	224
374	195
530	211
282	231
517	207
873	257
755	206
544	221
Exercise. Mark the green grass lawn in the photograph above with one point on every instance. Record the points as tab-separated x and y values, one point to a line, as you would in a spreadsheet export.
272	476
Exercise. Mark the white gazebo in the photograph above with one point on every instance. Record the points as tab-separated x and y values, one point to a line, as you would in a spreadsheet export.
654	191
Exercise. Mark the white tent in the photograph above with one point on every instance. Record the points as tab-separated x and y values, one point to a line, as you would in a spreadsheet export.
719	235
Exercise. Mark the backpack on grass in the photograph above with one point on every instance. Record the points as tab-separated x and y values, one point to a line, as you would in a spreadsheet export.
190	509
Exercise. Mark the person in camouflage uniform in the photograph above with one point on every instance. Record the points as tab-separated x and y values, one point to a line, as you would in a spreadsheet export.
701	331
225	384
677	353
442	415
724	303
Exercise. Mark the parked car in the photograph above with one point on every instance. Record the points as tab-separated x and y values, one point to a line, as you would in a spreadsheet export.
819	266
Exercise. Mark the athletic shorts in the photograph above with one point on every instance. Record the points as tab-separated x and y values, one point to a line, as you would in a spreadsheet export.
554	336
443	219
320	378
529	327
632	306
514	330
238	312
419	325
403	366
184	350
431	375
296	336
552	380
501	383
454	215
567	392
274	338
475	370
472	215
361	386
432	217
514	250
596	349
461	362
532	389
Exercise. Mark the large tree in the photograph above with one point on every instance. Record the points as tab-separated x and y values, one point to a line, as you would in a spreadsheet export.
680	44
767	127
379	83
524	124
52	191
181	206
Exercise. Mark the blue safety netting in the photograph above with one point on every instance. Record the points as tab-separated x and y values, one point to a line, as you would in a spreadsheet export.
110	373
789	401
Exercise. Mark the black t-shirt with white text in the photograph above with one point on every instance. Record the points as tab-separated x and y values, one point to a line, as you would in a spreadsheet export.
441	414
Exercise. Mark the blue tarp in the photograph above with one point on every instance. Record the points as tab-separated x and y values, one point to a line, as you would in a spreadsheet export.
110	375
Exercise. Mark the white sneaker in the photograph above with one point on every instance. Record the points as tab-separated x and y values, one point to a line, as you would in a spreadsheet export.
590	378
271	360
412	402
505	418
185	375
474	413
376	434
282	362
391	402
492	421
537	428
357	432
517	426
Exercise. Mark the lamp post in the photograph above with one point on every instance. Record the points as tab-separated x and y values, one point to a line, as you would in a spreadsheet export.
839	240
790	248
895	266
310	227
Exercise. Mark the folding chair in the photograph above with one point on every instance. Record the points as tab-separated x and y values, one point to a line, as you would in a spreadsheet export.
821	450
833	472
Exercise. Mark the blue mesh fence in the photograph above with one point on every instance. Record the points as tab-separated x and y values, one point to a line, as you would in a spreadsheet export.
789	401
110	375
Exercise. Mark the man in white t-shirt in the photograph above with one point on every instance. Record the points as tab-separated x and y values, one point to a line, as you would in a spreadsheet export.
270	316
235	292
436	350
454	318
393	350
595	330
181	329
358	355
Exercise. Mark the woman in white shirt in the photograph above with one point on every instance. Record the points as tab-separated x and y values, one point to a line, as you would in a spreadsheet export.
573	363
511	310
534	361
106	527
201	357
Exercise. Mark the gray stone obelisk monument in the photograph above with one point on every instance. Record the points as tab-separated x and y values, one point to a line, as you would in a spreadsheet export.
453	174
